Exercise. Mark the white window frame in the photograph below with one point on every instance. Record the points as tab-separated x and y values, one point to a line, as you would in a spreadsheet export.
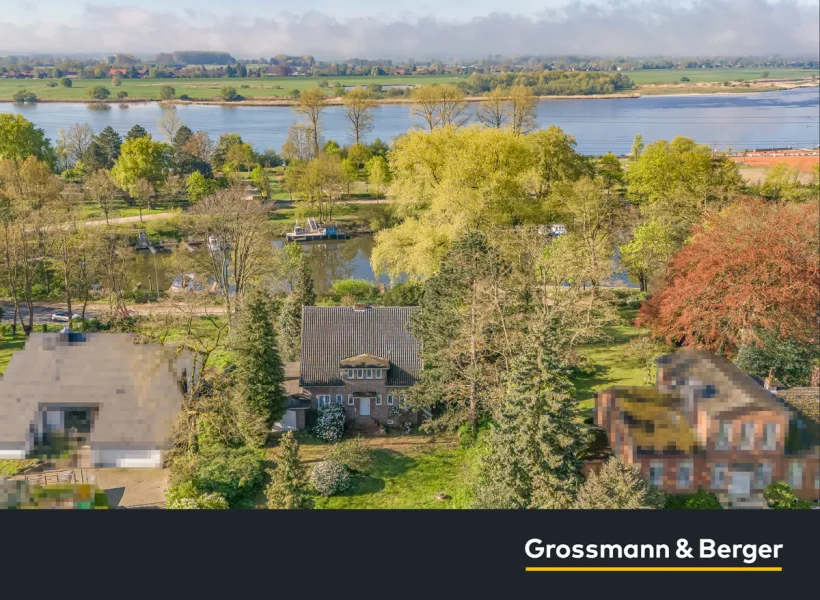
724	443
794	476
350	400
359	373
350	373
379	400
688	467
368	373
719	476
377	373
390	399
817	479
746	443
323	400
770	433
761	482
339	399
656	473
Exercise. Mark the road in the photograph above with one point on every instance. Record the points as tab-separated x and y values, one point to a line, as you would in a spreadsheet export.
44	310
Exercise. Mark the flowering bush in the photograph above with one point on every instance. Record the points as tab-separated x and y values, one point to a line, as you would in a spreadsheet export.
330	477
330	424
187	496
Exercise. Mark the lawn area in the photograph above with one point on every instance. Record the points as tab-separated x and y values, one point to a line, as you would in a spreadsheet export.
612	367
649	76
9	344
205	89
9	468
408	470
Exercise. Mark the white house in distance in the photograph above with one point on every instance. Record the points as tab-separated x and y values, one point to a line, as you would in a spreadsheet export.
113	400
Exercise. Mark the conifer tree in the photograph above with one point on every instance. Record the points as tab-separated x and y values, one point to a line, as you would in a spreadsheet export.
290	317
534	459
260	374
289	487
618	485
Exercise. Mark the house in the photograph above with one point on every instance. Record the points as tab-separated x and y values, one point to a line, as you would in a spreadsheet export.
110	400
113	72
362	357
707	424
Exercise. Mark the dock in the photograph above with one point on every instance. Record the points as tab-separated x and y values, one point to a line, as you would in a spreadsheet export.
315	232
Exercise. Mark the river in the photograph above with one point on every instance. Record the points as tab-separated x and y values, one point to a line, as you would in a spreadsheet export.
738	121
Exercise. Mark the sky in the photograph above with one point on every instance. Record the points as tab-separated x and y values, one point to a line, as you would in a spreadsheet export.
331	29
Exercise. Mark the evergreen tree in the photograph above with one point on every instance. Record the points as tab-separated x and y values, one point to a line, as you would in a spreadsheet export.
110	142
290	317
618	485
137	131
534	459
260	374
289	488
181	137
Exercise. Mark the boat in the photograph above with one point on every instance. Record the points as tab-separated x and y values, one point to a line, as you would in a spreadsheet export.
315	232
142	241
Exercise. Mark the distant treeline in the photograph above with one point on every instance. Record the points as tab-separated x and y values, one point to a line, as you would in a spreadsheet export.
195	57
550	83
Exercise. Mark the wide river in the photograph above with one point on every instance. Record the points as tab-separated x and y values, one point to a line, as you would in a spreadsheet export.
738	121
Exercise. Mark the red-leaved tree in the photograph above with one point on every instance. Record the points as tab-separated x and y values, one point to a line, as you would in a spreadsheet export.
755	266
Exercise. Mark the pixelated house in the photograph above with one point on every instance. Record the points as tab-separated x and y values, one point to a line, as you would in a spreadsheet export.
708	424
111	402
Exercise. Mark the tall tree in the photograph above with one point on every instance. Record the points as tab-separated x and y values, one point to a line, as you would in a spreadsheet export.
290	317
522	109
311	104
20	139
102	189
259	374
137	131
492	110
538	438
439	105
645	256
358	107
618	486
110	141
142	158
289	487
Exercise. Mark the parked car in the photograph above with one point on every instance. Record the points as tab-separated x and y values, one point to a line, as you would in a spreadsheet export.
62	316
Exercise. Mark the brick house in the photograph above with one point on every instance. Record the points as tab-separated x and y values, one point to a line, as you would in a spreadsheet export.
361	357
707	424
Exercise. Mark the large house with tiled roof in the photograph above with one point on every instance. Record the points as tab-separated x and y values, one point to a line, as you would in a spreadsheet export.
707	424
362	357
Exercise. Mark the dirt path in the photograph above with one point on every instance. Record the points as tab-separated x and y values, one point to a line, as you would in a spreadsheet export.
136	219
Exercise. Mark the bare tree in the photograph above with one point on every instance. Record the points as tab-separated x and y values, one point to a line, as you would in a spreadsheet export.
102	189
521	110
142	191
492	110
358	111
75	140
298	144
200	145
169	123
311	104
115	257
439	105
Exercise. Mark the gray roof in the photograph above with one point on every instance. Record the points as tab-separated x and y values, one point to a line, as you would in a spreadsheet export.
331	334
136	387
364	361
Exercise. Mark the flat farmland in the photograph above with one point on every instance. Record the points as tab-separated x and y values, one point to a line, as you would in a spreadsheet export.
661	76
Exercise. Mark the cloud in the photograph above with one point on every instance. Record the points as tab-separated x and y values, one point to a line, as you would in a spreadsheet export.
619	27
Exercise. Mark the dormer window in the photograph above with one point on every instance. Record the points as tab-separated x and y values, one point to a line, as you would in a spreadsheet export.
359	373
350	373
377	373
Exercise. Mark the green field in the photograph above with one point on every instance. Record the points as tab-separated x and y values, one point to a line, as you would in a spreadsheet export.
650	76
206	89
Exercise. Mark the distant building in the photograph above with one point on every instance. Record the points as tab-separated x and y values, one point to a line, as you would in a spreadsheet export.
707	424
112	401
362	357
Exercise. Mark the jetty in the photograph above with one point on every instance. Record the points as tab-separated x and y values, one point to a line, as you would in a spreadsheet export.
315	232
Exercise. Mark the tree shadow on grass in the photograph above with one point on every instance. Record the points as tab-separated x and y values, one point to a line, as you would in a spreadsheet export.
386	464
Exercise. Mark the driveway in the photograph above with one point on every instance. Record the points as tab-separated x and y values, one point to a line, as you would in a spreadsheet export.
133	488
42	311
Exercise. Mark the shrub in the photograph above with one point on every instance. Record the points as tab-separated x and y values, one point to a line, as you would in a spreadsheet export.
352	454
184	97
702	499
234	473
684	78
65	82
166	92
779	495
407	293
98	92
330	423
24	96
330	477
122	95
228	94
188	496
356	288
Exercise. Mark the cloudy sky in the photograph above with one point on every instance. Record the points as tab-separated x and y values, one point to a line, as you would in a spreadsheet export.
393	29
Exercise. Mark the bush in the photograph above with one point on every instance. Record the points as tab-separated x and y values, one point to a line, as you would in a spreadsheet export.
407	293
65	82
166	92
330	423
353	454
779	495
330	477
236	474
684	78
24	96
98	92
188	496
122	95
184	97
702	500
359	289
228	94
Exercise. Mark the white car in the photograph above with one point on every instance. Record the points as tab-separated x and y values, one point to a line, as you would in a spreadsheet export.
62	317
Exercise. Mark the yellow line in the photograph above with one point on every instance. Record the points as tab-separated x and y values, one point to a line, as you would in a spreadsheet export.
656	569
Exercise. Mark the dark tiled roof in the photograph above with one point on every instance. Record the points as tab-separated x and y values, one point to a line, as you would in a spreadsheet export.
333	333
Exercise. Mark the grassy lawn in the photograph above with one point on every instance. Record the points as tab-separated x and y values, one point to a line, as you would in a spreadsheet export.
649	76
205	89
408	470
612	367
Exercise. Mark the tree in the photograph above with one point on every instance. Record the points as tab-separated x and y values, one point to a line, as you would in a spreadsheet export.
260	178
439	105
792	361
637	146
492	110
142	158
321	184
645	256
116	80
311	104
110	141
65	82
167	92
169	124
198	186
536	443
24	96
102	189
298	144
142	191
643	352
703	500
19	139
75	141
290	317
522	109
358	108
228	94
555	160
608	168
378	173
122	95
618	486
199	145
751	268
98	92
260	374
289	488
779	495
137	131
